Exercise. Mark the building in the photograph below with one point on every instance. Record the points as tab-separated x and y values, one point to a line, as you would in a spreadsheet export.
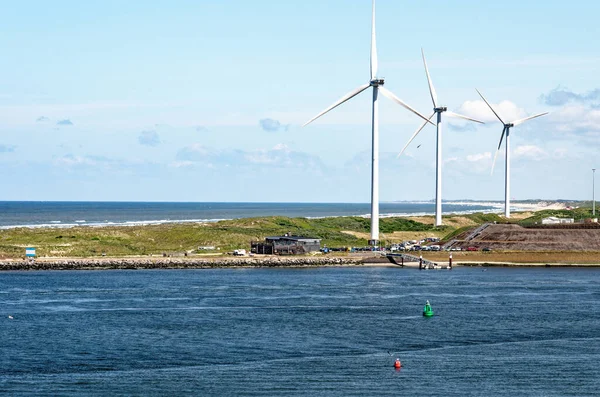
552	220
286	245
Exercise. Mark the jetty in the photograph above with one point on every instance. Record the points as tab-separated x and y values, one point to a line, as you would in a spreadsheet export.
408	260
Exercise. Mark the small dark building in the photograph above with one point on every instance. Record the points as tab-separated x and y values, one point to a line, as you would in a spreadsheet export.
286	245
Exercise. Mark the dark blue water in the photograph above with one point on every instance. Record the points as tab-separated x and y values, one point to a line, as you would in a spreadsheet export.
501	332
57	214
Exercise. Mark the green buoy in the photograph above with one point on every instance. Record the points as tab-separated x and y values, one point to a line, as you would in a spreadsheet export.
427	311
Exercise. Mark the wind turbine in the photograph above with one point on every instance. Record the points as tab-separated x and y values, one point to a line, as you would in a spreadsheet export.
377	84
506	131
437	109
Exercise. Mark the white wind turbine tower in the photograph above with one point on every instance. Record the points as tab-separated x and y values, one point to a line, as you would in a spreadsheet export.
377	84
506	131
437	109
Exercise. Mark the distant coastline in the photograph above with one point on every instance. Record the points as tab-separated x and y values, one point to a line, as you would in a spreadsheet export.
75	214
198	244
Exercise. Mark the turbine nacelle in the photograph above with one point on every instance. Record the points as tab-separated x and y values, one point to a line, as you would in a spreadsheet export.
376	82
509	125
440	109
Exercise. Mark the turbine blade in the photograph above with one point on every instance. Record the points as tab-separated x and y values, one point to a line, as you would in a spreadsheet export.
431	88
400	102
490	106
460	116
415	134
501	138
343	99
521	121
498	150
374	64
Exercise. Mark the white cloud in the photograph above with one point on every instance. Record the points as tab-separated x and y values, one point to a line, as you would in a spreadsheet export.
475	158
70	160
476	163
531	152
182	164
507	110
193	152
576	118
280	156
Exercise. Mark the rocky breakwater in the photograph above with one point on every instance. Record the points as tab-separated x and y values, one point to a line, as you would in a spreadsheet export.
172	263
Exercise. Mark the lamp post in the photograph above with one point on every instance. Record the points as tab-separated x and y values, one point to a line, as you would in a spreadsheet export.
593	192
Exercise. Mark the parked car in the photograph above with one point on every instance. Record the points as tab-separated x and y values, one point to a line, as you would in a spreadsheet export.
487	249
471	249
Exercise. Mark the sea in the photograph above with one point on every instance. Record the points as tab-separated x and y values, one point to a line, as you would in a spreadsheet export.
301	332
71	213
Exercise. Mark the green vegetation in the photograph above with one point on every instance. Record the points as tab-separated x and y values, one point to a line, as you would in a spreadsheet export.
228	235
171	238
455	233
483	218
390	225
576	213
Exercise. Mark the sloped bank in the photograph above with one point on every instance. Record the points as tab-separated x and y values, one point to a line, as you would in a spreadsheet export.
179	263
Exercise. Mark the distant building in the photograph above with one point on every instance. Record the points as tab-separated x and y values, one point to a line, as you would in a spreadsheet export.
286	245
552	220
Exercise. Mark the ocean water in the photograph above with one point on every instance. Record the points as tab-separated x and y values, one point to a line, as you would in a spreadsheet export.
67	214
301	332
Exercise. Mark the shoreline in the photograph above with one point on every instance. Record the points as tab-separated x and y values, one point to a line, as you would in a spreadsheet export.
57	264
174	263
496	208
189	246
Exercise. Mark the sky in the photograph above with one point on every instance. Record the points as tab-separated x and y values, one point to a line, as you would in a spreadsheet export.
204	100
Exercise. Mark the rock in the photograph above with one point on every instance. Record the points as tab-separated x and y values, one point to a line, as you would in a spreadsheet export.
176	263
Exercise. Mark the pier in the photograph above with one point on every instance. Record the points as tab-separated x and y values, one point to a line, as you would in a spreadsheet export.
415	261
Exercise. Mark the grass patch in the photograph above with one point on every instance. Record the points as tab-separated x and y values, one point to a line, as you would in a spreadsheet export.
226	235
457	232
481	218
576	213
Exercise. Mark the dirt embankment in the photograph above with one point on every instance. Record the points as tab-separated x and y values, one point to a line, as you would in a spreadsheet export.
517	238
538	257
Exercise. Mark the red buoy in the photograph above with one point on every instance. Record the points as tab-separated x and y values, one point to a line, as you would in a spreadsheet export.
397	364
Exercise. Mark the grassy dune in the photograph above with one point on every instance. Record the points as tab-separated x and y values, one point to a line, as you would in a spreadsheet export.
577	214
170	238
88	241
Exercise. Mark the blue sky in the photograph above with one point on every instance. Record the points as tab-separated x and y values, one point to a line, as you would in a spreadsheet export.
203	100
